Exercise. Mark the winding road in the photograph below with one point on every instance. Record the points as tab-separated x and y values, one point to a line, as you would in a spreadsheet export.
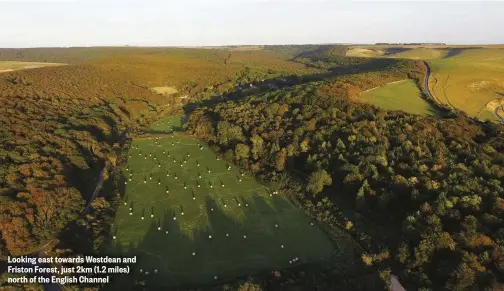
427	88
426	84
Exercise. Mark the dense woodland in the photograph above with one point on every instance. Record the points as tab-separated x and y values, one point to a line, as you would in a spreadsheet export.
420	196
425	193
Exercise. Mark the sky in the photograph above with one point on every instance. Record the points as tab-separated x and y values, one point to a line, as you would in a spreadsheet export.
239	22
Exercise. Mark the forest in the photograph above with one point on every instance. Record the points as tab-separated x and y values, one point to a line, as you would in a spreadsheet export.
420	196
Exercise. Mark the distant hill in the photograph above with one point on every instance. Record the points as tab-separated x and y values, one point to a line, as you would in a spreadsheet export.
71	55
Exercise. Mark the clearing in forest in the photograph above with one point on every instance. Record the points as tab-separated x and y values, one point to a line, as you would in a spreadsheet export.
168	124
364	52
468	80
464	77
167	91
191	218
403	95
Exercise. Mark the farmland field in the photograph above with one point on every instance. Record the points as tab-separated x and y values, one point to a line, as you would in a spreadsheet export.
468	80
364	52
420	54
403	95
165	90
199	230
486	115
8	66
168	124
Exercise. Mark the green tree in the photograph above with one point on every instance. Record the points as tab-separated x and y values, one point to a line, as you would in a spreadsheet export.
317	181
257	146
227	132
242	151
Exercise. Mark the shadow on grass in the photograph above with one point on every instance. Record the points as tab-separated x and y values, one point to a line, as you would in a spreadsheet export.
455	51
174	128
396	50
228	247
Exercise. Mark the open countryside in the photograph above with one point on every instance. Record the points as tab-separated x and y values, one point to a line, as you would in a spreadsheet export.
9	66
287	119
193	219
237	146
469	80
400	95
463	77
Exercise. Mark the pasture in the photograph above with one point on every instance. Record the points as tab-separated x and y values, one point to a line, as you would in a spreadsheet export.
193	219
420	53
464	77
405	52
403	95
469	80
168	124
8	66
165	90
486	115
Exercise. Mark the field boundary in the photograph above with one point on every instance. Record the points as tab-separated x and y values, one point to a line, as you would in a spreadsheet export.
377	87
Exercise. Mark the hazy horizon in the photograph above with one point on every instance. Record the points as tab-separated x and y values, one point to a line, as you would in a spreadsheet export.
78	23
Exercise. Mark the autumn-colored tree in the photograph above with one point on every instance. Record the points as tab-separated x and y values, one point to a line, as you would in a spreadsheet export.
280	159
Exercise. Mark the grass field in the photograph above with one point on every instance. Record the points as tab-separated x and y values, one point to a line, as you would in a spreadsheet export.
168	124
167	91
486	115
407	52
364	52
403	95
468	80
421	54
8	66
464	77
248	224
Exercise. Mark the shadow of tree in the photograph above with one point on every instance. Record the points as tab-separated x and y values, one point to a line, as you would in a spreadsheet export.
454	51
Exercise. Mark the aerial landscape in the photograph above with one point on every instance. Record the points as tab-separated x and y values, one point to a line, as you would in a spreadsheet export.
260	158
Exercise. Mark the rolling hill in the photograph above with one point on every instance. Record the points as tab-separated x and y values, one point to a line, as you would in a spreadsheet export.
358	191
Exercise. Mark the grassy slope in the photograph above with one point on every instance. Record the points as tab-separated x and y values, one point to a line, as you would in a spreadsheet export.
363	52
469	80
201	70
167	124
420	54
403	95
7	66
408	52
487	116
467	77
225	257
